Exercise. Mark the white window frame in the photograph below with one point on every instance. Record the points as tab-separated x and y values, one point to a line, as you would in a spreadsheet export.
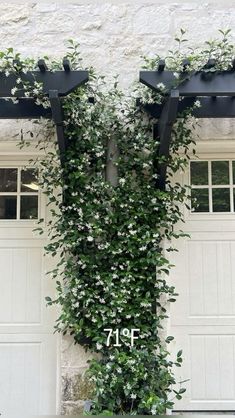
19	193
21	162
219	149
210	187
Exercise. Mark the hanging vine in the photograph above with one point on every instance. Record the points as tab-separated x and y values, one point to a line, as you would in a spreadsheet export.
113	237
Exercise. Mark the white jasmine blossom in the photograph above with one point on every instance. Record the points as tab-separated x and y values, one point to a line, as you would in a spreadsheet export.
161	86
133	396
176	75
14	90
197	103
99	346
90	238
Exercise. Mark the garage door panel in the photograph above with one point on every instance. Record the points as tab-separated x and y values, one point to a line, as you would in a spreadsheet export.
20	281
209	366
24	385
28	345
207	292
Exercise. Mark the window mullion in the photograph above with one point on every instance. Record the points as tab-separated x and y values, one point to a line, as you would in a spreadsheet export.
231	185
210	187
18	193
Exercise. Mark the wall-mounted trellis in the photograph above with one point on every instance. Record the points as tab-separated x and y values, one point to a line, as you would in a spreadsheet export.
55	86
216	91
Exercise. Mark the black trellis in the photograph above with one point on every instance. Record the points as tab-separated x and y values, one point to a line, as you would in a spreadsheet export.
216	91
55	85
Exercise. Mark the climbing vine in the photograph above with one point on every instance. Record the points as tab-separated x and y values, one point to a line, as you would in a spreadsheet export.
112	233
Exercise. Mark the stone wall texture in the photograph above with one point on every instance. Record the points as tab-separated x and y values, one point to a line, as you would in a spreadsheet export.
113	35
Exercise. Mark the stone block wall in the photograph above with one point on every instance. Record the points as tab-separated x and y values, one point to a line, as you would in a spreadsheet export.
113	35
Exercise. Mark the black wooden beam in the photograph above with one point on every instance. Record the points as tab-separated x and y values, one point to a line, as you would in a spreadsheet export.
62	81
164	129
66	64
211	107
57	117
42	66
161	65
199	84
25	109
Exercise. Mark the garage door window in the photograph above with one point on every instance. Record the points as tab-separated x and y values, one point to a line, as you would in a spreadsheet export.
18	193
213	186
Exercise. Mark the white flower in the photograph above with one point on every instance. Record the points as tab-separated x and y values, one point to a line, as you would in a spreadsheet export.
13	90
133	396
7	73
154	200
122	181
161	86
119	370
176	75
14	100
143	248
98	346
90	239
115	276
197	103
18	80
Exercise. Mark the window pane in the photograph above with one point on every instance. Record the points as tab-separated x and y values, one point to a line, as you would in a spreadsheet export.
8	207
199	173
221	200
8	180
200	200
233	172
28	207
220	172
29	182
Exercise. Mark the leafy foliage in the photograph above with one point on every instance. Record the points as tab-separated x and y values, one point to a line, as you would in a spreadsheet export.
113	237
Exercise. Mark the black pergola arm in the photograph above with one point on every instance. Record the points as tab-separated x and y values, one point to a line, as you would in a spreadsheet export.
55	85
63	81
210	107
197	84
215	91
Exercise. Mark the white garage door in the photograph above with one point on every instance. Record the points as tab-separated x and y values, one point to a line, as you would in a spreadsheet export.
27	344
203	318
